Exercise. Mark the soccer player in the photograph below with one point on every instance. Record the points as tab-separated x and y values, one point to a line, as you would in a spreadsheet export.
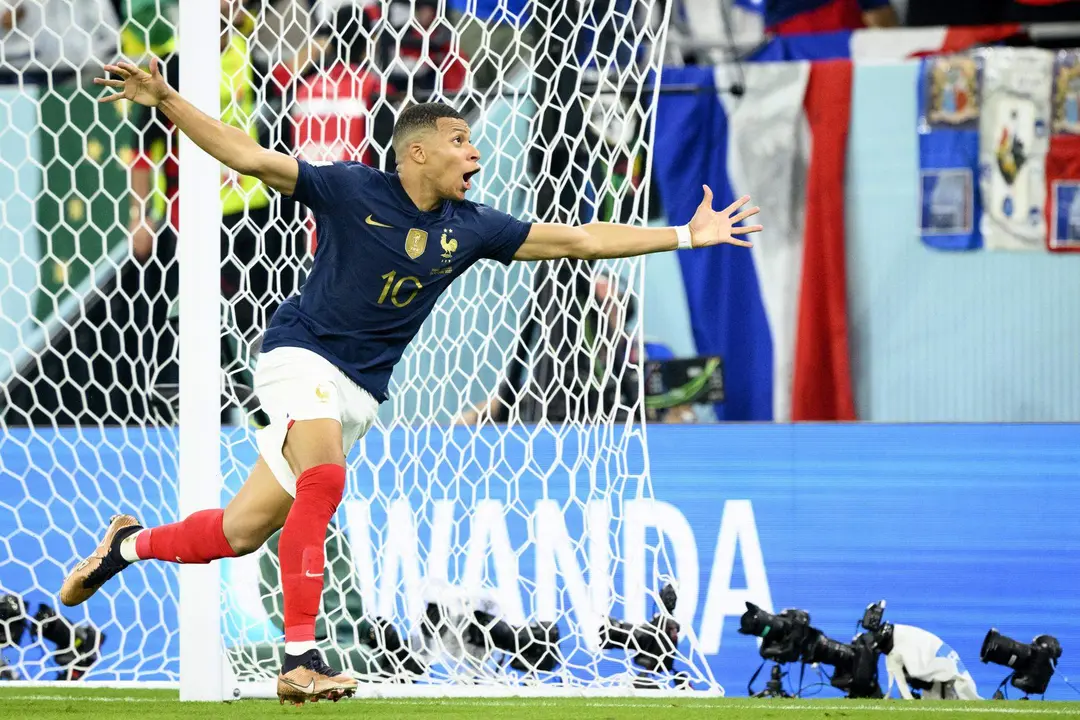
389	245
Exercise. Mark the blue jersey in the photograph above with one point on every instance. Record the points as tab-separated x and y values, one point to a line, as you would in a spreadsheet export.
380	265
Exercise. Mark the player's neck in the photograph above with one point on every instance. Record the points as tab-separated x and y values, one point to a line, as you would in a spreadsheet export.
420	191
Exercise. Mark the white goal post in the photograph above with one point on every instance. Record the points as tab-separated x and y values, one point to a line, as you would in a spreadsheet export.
202	664
505	488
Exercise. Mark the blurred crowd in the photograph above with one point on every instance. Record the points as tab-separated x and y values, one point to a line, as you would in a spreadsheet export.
52	35
324	80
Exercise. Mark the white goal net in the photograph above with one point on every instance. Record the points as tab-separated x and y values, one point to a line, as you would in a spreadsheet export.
498	532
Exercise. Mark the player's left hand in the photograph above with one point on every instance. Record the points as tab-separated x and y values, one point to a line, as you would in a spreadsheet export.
136	85
709	227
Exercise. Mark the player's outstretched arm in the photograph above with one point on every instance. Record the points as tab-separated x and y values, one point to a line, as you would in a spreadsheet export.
227	144
609	240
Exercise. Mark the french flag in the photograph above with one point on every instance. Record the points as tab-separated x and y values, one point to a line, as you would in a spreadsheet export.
776	314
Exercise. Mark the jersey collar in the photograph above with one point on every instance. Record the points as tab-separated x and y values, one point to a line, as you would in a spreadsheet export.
399	190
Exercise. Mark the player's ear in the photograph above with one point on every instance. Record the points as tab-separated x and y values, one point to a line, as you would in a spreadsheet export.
417	152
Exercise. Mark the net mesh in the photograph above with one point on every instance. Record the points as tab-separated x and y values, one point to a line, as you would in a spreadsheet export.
498	527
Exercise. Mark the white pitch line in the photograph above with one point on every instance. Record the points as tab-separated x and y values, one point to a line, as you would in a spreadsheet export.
76	698
766	705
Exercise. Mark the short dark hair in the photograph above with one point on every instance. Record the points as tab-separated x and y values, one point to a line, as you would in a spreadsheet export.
422	116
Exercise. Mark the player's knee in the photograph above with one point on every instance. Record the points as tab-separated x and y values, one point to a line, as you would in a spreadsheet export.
245	544
311	443
247	537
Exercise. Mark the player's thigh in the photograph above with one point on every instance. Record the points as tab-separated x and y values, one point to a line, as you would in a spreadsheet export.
257	511
316	413
298	390
314	442
310	443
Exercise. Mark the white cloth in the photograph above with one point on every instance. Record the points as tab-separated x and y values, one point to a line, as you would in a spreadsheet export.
450	647
57	34
768	159
926	657
703	27
1014	138
297	384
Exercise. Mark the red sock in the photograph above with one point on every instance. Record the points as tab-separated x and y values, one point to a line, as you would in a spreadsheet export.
198	538
301	549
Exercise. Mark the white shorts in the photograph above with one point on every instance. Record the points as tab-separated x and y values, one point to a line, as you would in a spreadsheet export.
296	384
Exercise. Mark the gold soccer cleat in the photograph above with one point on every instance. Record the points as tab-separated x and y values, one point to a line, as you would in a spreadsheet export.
94	570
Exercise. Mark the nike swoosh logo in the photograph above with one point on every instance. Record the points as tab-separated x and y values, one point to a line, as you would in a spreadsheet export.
309	688
372	221
310	574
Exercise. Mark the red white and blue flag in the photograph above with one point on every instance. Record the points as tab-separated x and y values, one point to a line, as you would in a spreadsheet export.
777	314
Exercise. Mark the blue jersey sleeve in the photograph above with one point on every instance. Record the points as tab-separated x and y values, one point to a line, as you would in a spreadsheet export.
325	186
503	234
872	4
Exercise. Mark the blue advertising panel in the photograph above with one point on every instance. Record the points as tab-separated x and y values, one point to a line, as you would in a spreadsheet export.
959	527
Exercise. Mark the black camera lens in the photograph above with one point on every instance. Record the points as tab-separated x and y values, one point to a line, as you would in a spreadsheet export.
827	651
77	647
1032	664
50	626
7	672
759	623
1001	650
784	637
12	620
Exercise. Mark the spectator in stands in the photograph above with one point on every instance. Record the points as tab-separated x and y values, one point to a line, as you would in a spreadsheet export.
419	58
259	261
580	370
56	36
410	52
702	32
331	90
417	51
794	17
495	35
331	108
149	27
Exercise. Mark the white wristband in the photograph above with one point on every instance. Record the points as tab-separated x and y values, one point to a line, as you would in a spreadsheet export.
682	232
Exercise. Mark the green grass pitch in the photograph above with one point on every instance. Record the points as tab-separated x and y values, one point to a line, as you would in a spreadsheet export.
40	703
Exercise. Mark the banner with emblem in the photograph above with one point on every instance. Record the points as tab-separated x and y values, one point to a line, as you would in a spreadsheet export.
1063	160
949	107
1014	138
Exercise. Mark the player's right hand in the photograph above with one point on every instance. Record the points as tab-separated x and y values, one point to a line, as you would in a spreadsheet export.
145	88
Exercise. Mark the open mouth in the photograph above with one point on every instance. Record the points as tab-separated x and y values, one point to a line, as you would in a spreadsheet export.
467	177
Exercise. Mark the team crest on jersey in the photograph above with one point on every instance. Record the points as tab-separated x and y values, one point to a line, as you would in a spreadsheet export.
415	243
1066	112
449	245
953	91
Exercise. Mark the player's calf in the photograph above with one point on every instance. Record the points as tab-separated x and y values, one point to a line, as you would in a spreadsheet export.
197	539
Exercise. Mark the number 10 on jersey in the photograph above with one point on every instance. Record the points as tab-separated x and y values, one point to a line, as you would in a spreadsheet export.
393	290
